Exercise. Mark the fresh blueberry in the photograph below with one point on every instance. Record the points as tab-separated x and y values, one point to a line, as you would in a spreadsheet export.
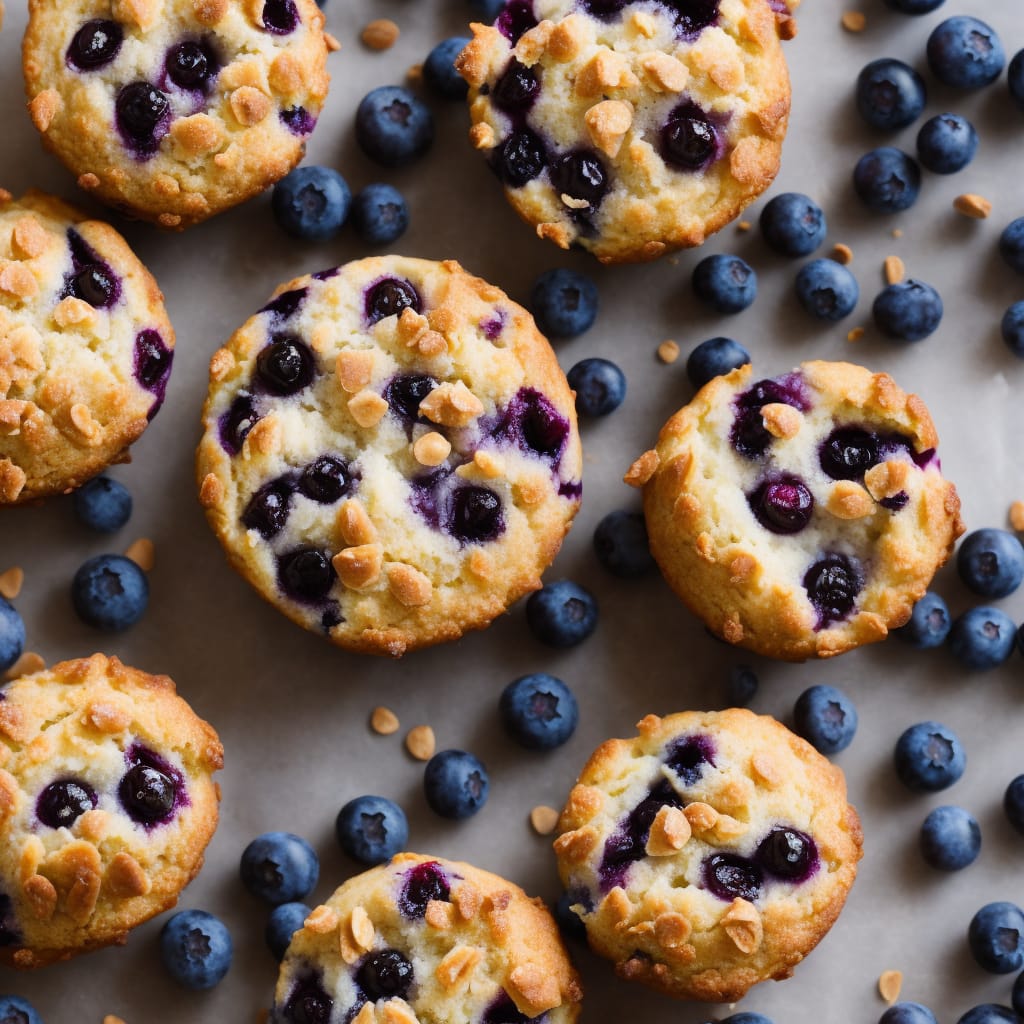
279	867
439	72
564	302
1017	997
561	614
599	384
1013	803
371	829
908	311
150	789
890	94
102	504
913	7
991	562
730	876
96	43
908	1013
393	127
63	802
996	937
521	158
989	1013
832	584
929	757
280	17
285	920
143	114
569	921
715	358
747	1018
15	1010
621	546
380	214
516	91
740	686
1015	79
689	138
793	224
782	504
486	10
826	718
12	635
950	838
455	784
191	65
385	974
965	53
928	625
110	592
538	711
982	638
1012	328
196	949
726	283
887	180
788	854
827	290
946	143
311	203
1011	245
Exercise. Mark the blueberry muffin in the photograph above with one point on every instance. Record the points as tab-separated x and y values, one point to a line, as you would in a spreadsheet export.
709	853
390	453
431	940
173	110
629	129
85	347
799	516
107	806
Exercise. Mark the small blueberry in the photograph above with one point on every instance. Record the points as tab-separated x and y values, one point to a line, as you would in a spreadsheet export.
196	949
600	386
311	203
793	224
982	638
538	711
950	838
279	867
715	358
102	504
380	214
110	592
826	718
455	784
284	921
621	545
564	303
929	757
372	829
726	283
393	127
561	613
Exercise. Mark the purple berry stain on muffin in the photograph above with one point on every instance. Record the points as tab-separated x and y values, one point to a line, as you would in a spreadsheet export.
516	19
91	279
95	45
287	304
423	883
493	327
152	789
687	757
534	425
153	360
628	843
749	436
299	121
235	424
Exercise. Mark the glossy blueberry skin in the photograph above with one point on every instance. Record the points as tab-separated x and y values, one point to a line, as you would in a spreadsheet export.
946	143
908	311
380	214
914	7
887	180
793	224
283	923
982	638
991	562
372	829
741	686
1011	245
726	283
439	72
621	544
455	784
950	838
311	203
827	290
1015	79
989	1013
110	592
12	635
929	622
393	127
1013	803
714	358
965	53
826	718
996	937
1012	329
600	386
564	303
929	757
102	504
279	867
15	1010
907	1013
196	949
561	613
890	94
747	1018
538	711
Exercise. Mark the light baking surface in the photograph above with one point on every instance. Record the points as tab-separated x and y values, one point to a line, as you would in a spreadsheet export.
293	712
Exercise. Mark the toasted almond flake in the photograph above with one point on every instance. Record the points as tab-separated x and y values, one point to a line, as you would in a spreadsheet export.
380	34
607	123
670	832
887	479
333	46
894	270
454	971
321	920
889	985
971	205
354	368
574	204
249	105
742	923
409	586
362	928
359	566
431	449
842	253
743	225
1017	516
439	915
420	742
668	351
451	405
142	553
671	929
384	721
544	819
354	524
28	663
481	136
848	500
11	582
781	420
855	334
367	408
643	469
367	1015
853	21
